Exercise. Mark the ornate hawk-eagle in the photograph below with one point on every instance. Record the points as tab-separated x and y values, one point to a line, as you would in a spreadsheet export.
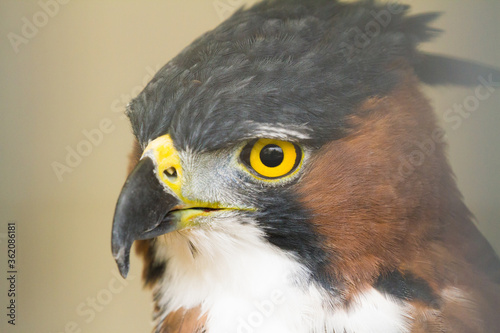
291	177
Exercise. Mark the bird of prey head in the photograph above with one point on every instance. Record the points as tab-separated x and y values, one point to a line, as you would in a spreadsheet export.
291	177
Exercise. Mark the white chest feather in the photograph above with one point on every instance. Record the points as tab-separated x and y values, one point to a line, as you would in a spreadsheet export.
246	285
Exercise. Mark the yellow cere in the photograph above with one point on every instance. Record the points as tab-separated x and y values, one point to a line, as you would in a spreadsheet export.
289	158
169	170
168	162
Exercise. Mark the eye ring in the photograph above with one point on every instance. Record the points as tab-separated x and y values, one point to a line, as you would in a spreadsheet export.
270	158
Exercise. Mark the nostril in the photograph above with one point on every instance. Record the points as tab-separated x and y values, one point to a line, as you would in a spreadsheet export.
171	173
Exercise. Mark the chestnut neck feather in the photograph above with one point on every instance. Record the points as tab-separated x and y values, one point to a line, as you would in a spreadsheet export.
385	200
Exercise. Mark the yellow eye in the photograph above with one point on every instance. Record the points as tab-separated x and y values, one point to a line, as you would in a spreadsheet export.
271	158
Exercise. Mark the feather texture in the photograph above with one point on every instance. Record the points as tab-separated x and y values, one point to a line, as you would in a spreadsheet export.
372	234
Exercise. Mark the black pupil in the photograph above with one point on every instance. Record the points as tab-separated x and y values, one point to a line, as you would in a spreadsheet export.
271	155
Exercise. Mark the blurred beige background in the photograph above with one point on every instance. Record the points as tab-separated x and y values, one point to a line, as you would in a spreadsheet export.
74	74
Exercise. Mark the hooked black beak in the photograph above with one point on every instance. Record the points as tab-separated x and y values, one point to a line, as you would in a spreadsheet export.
141	212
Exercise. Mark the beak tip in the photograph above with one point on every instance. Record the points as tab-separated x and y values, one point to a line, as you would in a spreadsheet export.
123	265
122	258
123	270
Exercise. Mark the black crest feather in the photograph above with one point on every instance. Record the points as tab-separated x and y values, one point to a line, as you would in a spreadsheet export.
290	62
440	70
